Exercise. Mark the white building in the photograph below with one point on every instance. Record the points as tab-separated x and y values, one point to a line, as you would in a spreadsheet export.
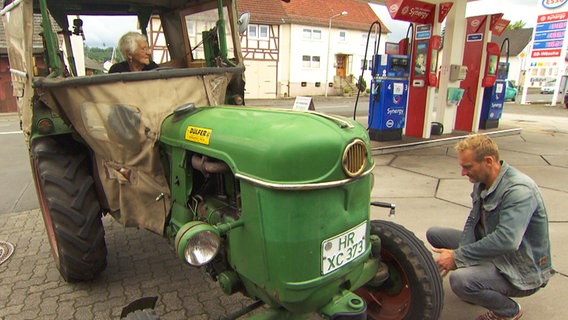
519	50
291	48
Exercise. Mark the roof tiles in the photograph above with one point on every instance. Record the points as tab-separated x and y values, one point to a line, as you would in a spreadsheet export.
312	12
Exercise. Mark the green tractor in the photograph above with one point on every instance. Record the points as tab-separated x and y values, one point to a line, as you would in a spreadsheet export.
272	203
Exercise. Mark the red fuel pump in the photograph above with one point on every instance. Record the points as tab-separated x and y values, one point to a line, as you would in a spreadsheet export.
435	45
491	65
424	57
477	33
424	74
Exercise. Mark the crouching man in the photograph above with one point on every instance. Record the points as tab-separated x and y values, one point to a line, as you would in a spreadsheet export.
504	249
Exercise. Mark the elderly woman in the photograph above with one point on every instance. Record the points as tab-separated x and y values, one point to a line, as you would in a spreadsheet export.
134	48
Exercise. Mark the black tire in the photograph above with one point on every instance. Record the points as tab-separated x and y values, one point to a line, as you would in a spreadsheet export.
70	207
414	289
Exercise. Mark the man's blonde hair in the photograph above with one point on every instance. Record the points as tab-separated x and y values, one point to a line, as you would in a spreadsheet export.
481	146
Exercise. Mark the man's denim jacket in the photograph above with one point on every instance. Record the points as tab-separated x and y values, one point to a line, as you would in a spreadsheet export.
515	230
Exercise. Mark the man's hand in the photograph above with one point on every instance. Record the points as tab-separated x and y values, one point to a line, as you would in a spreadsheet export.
445	260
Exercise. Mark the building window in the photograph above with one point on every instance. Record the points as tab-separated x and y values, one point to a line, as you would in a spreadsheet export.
311	34
252	32
263	35
342	36
315	62
258	31
316	34
306	61
311	62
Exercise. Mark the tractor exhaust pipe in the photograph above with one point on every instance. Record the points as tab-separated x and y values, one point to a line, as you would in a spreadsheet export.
202	164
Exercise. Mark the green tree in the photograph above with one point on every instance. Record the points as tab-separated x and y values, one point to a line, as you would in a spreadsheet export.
100	54
516	25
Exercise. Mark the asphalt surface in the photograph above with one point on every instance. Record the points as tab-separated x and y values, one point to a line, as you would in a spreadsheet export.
424	183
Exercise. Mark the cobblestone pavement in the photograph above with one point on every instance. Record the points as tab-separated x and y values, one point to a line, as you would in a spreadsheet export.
424	183
140	264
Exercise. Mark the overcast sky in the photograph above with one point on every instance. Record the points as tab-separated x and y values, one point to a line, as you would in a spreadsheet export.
105	31
514	10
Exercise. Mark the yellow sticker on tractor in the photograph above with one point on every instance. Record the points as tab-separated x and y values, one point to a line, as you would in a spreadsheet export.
198	135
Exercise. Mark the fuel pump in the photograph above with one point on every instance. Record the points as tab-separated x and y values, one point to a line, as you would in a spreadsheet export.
482	61
423	77
494	95
389	95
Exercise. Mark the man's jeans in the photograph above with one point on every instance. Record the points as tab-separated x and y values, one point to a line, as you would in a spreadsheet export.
483	284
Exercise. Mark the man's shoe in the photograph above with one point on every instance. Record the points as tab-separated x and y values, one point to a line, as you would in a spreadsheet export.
492	316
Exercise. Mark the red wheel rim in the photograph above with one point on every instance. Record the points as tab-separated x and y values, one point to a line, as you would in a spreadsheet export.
45	212
384	306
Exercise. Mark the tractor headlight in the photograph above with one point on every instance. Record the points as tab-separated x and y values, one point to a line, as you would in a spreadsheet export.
197	243
354	158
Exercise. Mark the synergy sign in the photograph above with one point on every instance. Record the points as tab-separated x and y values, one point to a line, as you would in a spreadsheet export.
550	32
417	11
548	50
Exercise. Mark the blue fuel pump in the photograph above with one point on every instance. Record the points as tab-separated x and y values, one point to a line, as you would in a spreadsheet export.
389	95
494	96
494	99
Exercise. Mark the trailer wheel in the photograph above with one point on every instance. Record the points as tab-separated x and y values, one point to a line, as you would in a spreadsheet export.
414	289
70	207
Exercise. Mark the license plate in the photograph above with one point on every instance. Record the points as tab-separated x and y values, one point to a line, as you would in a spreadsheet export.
343	248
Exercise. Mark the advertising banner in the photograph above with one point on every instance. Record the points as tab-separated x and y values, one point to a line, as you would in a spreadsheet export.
411	11
546	61
445	8
549	35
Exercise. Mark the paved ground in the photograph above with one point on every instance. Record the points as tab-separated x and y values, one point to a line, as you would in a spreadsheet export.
139	264
424	183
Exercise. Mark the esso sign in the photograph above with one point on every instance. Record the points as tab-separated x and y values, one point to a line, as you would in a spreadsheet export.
553	4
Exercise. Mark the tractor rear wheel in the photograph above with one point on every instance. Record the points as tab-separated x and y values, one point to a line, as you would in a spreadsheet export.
70	207
414	289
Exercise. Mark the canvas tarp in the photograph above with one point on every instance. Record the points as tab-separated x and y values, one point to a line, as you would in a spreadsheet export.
120	121
18	26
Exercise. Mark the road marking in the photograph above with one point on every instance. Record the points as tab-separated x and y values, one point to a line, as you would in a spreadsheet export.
11	132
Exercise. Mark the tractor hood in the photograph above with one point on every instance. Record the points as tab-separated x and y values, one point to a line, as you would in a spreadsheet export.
270	145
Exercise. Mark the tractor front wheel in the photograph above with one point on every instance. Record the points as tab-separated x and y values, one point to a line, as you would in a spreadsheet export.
414	289
70	207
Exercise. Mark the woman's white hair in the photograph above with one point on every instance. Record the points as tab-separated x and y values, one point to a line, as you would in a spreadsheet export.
128	43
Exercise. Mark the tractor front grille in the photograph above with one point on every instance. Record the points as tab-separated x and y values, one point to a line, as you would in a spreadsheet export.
355	158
